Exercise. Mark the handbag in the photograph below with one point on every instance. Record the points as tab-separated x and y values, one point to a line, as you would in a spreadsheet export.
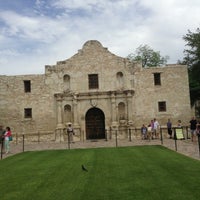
10	138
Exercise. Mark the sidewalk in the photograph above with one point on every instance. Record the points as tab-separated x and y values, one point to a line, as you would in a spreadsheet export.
185	147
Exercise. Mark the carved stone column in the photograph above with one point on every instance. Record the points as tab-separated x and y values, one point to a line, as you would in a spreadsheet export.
129	107
75	104
76	125
59	113
113	111
60	126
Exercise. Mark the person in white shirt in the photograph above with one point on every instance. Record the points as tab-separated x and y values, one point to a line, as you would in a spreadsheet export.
156	127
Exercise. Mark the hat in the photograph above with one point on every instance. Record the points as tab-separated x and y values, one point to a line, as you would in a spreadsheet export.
69	123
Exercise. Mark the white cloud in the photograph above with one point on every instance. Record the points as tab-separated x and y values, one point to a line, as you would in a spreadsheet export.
31	28
48	32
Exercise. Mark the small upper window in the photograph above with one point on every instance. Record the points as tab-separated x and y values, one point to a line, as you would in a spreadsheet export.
93	81
157	79
120	80
162	106
27	86
27	112
66	79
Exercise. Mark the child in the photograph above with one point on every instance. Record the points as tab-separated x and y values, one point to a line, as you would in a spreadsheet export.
144	132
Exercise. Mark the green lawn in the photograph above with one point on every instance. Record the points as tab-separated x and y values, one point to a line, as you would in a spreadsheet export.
144	172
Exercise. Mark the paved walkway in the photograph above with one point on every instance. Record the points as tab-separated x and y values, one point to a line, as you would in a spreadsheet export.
185	147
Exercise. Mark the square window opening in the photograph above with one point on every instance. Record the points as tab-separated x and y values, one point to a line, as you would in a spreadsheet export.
27	86
157	79
162	106
27	112
93	81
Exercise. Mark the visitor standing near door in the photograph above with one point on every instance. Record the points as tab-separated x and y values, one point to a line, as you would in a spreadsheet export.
70	132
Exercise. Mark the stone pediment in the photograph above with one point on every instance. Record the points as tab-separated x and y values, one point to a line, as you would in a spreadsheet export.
91	50
94	57
92	44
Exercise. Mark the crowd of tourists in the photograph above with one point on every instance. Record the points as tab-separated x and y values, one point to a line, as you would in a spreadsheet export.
152	130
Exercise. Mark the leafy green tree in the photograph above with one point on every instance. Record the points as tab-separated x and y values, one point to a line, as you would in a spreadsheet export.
192	59
192	55
148	57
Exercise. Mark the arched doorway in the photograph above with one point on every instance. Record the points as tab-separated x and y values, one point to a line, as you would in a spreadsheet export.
95	124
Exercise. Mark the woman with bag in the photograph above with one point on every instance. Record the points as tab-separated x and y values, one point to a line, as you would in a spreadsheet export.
7	137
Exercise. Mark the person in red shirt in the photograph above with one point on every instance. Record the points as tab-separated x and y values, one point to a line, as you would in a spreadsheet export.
7	135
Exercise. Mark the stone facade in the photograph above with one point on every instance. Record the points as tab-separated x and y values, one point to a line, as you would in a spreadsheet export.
94	90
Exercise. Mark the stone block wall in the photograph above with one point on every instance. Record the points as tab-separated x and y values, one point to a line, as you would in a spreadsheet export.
120	81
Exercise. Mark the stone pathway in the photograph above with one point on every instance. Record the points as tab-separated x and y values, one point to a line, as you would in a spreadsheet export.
185	147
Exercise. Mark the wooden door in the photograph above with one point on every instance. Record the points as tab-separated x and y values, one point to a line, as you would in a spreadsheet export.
95	124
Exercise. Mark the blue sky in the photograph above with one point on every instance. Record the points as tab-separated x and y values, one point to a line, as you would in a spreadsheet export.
35	33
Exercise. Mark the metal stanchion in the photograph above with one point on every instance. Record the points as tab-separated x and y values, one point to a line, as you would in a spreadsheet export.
110	133
161	136
38	136
129	131
175	139
116	137
68	140
60	134
23	142
198	135
186	129
2	149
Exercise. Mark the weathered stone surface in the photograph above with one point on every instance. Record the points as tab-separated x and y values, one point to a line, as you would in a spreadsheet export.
126	94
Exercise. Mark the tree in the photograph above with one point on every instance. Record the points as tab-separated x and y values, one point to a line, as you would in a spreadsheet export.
148	57
192	55
192	59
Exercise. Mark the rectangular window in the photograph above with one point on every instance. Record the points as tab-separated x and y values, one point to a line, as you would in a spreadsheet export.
157	79
27	112
162	106
27	86
93	81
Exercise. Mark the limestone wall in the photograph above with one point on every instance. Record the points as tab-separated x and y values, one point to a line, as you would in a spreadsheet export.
174	89
91	59
13	101
66	83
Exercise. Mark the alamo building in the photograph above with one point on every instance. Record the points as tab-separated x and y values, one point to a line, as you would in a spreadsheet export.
96	91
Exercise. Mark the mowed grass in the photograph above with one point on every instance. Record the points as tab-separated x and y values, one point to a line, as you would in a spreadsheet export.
144	172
